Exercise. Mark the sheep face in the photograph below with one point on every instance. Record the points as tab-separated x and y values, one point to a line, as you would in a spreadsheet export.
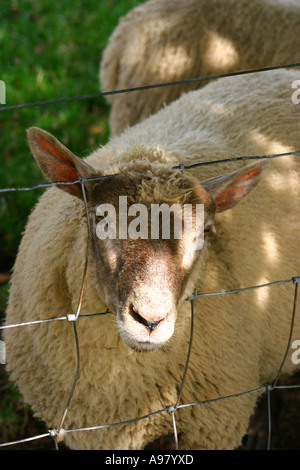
142	278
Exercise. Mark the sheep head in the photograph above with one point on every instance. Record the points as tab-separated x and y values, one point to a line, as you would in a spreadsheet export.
142	277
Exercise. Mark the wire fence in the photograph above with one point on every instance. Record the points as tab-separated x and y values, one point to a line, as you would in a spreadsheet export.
57	433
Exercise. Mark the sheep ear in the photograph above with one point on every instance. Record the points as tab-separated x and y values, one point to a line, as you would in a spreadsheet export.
227	190
57	162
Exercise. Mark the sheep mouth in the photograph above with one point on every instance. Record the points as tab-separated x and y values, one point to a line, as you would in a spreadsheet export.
139	343
145	346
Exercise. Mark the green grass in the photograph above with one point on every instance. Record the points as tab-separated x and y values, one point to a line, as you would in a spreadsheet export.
48	50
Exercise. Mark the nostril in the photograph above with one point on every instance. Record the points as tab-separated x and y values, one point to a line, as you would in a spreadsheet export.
152	325
149	324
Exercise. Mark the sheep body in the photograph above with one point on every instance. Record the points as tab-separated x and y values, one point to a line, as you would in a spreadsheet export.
162	41
239	340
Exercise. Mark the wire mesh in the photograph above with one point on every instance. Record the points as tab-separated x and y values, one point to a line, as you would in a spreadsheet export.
73	318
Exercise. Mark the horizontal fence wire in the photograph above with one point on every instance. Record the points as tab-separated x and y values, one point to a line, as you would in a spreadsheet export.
149	87
193	297
73	318
180	166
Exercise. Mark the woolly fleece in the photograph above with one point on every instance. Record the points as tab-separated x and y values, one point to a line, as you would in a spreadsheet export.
239	340
162	41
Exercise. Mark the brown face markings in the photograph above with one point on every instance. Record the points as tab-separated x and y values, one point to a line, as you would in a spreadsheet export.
141	279
146	277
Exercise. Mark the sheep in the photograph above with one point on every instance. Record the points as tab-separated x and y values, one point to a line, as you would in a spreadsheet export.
162	41
131	363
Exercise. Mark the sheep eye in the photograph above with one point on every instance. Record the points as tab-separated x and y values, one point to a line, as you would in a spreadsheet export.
206	232
100	218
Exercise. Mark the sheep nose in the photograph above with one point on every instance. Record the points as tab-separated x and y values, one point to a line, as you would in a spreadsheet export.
150	324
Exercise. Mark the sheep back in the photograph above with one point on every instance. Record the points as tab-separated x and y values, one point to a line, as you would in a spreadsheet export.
162	41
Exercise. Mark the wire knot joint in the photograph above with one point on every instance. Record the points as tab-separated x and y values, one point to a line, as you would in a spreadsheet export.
71	316
59	435
170	409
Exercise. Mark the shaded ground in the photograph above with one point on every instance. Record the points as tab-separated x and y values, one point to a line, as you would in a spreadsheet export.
288	436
